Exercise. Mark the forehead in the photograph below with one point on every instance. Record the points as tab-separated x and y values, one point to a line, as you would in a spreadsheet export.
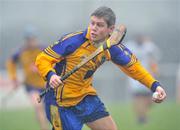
98	19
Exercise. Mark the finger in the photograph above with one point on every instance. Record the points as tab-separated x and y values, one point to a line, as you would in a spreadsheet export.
157	101
53	84
162	96
58	81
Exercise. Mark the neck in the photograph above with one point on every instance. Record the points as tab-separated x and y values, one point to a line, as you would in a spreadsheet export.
97	44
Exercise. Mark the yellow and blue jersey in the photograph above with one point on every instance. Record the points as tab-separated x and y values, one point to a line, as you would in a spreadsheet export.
25	57
70	50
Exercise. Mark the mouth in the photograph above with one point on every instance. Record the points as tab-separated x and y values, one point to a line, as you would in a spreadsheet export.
93	35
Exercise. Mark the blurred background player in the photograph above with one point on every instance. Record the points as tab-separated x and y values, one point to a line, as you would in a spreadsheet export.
148	53
34	84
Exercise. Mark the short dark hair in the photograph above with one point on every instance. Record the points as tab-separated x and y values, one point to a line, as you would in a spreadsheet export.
106	13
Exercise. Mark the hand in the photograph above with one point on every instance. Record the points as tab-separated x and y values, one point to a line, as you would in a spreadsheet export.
161	95
55	81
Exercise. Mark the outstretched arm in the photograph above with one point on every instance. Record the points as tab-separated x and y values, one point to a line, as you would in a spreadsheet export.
130	65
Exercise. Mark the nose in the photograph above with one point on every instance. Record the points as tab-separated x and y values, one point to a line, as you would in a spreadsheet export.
94	27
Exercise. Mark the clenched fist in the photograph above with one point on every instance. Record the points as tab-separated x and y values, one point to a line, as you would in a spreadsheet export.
161	95
55	81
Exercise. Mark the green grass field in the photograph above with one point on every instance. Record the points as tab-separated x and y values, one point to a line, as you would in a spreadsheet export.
164	116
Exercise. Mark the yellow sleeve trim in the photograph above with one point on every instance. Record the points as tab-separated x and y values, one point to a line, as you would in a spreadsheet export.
132	61
71	35
108	43
52	53
88	33
107	54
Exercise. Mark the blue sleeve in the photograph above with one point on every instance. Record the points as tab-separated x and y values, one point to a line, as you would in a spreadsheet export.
120	54
154	86
69	45
15	56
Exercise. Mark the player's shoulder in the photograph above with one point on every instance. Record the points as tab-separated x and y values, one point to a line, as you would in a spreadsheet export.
72	36
69	43
75	39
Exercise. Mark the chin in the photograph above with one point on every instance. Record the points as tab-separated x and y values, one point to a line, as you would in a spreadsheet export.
95	40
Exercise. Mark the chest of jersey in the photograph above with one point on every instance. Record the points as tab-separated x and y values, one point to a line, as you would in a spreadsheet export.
87	70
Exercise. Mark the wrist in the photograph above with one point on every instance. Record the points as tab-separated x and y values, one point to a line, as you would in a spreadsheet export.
49	75
155	85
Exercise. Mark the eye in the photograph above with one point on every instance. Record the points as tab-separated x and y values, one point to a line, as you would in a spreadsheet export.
100	25
92	23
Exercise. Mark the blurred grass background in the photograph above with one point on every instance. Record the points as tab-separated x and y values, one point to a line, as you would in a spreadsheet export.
165	116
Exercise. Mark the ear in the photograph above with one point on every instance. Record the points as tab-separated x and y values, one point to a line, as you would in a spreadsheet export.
111	29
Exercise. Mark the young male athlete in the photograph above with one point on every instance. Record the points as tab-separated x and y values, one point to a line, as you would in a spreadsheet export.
34	84
74	102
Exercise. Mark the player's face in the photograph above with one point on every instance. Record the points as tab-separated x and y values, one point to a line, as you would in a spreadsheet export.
31	42
99	29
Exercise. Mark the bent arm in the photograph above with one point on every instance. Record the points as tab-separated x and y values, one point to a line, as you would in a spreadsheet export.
139	73
46	60
11	65
45	64
129	64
